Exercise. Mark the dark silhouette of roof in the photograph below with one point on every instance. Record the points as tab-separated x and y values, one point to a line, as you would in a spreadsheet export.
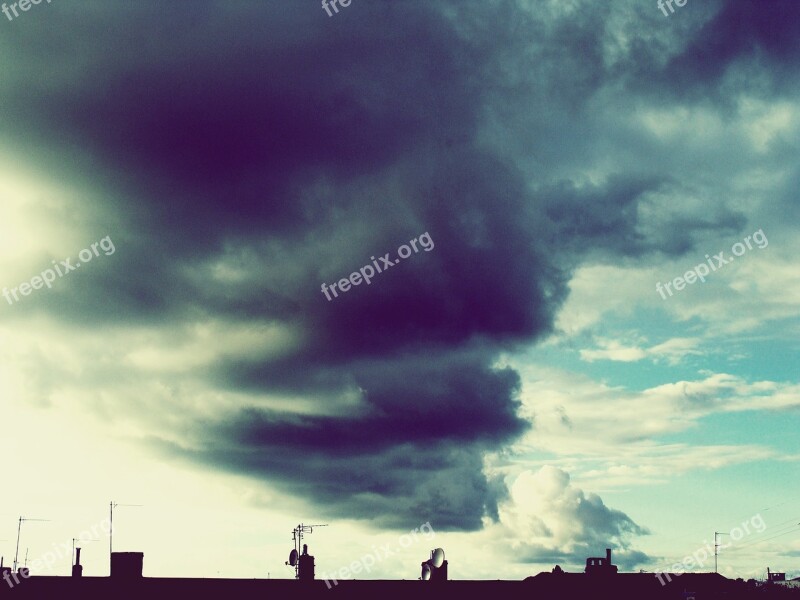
545	586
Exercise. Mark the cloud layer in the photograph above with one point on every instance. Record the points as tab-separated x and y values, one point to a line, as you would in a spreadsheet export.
263	150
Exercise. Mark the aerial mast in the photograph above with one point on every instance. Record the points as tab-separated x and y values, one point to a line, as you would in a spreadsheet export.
297	536
19	528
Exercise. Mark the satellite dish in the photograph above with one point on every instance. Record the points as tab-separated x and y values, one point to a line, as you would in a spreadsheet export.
426	571
293	558
438	558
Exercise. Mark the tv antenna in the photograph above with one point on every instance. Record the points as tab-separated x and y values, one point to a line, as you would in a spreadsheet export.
297	536
79	540
716	546
112	506
19	528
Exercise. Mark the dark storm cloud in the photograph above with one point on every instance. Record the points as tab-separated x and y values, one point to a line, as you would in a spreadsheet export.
755	45
402	484
741	31
222	124
220	135
606	218
292	147
425	400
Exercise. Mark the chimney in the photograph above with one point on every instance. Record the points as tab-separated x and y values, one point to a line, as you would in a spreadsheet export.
77	568
608	556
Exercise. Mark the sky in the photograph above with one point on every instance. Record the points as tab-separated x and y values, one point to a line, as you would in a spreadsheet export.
517	274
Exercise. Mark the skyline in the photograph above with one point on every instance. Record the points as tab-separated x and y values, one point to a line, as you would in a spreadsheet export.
580	327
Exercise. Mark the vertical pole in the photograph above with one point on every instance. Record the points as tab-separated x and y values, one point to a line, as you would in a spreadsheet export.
716	569
110	535
716	552
16	554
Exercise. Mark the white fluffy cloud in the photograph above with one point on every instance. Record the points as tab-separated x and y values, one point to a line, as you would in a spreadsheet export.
550	520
